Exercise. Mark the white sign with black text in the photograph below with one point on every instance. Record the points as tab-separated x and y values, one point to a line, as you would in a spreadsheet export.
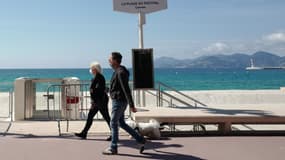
137	6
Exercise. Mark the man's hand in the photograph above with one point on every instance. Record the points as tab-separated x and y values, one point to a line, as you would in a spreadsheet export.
134	109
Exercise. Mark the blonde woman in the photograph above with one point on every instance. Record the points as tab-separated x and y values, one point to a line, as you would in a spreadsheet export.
99	99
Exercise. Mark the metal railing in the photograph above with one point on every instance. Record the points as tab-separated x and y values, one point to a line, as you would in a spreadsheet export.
165	93
161	92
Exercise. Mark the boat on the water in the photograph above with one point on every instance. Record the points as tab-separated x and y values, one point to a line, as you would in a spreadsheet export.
252	67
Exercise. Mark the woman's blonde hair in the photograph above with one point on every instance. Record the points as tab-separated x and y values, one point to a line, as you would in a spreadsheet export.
97	66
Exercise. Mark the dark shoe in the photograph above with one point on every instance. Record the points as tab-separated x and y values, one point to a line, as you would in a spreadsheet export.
109	138
81	135
110	151
141	145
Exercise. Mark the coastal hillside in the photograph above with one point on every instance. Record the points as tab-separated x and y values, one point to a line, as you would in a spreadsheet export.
237	60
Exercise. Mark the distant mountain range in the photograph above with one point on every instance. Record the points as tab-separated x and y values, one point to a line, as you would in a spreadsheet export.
237	60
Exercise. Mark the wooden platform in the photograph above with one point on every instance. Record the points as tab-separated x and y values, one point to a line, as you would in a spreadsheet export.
224	118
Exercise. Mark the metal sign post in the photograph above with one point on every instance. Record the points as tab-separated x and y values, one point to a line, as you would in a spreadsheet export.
141	7
141	23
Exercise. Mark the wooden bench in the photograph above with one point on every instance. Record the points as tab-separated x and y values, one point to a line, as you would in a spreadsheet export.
223	118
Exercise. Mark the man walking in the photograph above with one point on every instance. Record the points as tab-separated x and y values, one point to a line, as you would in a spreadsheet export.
121	97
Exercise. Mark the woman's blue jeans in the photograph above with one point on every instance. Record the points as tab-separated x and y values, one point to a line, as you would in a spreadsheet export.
118	119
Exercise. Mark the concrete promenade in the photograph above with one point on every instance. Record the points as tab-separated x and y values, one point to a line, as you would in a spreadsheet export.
34	140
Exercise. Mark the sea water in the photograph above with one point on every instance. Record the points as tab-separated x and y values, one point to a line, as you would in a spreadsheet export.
180	79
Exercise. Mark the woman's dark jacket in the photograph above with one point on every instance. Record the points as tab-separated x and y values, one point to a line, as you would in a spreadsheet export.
97	89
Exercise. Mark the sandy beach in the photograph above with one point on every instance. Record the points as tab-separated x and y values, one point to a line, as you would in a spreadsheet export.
221	98
254	98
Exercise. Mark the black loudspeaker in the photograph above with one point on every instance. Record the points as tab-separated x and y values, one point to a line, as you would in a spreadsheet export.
143	73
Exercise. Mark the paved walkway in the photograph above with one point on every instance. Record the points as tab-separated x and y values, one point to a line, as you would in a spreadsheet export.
34	140
27	147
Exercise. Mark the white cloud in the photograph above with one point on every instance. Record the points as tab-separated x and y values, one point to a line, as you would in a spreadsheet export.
273	42
216	47
275	37
181	49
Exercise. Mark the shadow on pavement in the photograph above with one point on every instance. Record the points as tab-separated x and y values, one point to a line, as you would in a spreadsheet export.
27	136
152	150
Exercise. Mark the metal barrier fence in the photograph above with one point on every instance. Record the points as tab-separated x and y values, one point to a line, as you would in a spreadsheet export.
69	102
6	111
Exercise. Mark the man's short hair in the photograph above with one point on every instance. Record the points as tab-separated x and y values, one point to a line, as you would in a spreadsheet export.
117	56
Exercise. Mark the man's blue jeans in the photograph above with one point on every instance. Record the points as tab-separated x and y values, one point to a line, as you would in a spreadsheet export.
118	118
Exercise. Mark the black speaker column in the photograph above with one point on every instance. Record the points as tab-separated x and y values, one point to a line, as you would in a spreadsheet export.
143	72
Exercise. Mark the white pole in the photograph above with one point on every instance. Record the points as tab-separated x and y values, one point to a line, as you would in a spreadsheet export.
141	23
141	46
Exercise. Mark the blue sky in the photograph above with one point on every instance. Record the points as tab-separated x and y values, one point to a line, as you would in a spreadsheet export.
72	33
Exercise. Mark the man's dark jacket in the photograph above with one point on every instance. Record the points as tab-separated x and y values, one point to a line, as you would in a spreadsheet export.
119	86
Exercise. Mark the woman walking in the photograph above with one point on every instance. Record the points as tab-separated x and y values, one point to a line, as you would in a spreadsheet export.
99	99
